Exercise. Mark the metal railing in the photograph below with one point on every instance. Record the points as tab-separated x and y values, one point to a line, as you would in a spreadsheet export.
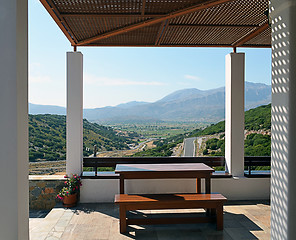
98	162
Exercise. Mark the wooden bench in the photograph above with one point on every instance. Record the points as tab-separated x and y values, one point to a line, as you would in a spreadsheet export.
129	202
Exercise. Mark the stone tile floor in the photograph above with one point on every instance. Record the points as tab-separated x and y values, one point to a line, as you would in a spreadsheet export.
242	220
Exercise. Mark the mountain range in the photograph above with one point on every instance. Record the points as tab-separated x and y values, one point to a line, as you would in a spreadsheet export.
183	105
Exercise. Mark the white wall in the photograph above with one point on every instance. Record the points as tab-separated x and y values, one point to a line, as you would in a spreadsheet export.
14	184
283	120
103	190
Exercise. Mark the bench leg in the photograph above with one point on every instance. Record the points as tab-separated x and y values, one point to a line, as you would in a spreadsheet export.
122	219
219	217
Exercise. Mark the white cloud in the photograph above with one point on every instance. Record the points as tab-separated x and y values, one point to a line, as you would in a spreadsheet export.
106	81
35	75
39	79
191	77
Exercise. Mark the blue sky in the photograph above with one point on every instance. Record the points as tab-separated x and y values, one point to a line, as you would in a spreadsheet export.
118	75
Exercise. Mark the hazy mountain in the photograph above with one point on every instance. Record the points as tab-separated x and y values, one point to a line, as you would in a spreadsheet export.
182	95
183	105
46	109
131	104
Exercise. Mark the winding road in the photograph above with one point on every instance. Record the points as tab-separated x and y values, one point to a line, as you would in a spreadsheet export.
189	147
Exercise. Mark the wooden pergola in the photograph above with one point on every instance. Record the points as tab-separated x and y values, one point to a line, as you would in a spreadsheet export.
163	23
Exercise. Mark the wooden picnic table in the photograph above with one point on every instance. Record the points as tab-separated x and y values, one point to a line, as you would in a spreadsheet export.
213	203
163	171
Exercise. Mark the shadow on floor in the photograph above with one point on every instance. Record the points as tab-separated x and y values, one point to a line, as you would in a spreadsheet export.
38	213
247	202
236	225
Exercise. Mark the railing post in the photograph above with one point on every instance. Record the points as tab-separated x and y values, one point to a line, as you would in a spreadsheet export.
250	166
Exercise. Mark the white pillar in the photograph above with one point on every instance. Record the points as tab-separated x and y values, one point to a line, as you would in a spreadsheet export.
14	187
283	128
74	112
234	113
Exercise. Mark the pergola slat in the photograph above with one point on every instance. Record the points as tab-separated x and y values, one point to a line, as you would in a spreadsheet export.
143	7
100	15
178	13
251	35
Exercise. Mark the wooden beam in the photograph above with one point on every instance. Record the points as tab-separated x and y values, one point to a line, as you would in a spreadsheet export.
194	8
250	35
62	19
53	11
213	25
55	17
119	15
176	45
161	32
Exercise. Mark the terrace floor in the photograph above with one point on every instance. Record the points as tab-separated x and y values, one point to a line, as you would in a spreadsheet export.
242	220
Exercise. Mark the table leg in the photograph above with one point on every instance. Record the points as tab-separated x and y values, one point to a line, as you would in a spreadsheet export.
198	185
121	184
208	190
208	184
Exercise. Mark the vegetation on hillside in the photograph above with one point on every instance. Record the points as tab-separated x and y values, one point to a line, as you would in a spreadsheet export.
255	144
47	138
164	147
160	151
258	118
255	119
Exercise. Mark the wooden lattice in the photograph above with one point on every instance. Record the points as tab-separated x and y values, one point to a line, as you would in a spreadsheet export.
208	23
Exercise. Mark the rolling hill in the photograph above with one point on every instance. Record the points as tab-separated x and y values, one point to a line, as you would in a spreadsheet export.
47	138
255	119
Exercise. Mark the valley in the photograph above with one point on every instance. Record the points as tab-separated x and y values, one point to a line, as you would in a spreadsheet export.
139	138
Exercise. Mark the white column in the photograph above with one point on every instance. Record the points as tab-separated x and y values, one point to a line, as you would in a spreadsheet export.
14	187
283	141
74	112
234	113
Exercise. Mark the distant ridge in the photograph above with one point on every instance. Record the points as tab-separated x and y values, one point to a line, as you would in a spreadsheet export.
131	104
46	109
183	105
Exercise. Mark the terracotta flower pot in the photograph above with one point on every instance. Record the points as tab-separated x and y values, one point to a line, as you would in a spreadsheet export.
70	201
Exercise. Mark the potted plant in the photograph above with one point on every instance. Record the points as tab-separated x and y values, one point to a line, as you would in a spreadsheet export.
68	194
